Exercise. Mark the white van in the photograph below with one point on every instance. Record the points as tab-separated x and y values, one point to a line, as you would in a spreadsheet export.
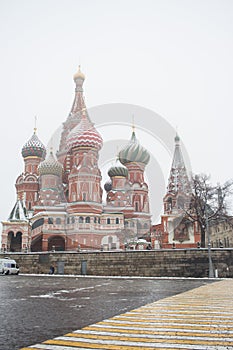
8	267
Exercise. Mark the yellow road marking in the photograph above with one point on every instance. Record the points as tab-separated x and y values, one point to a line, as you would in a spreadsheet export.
120	336
158	340
163	325
132	331
96	346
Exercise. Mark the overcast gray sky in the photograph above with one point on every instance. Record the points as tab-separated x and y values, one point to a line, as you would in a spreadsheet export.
173	57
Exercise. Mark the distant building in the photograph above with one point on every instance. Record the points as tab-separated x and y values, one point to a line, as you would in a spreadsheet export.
59	197
221	234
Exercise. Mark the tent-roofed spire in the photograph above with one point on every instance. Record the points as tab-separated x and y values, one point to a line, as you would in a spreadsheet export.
19	212
75	115
178	179
79	102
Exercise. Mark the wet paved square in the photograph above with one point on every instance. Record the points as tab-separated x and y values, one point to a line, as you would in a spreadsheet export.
37	308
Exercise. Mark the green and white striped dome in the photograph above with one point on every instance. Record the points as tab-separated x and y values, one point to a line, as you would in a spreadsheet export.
134	152
118	171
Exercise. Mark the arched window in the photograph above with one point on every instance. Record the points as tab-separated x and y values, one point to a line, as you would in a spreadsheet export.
169	203
98	220
108	221
88	220
73	220
37	223
117	221
80	220
95	219
68	220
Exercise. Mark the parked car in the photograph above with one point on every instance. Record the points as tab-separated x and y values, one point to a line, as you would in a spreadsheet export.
8	267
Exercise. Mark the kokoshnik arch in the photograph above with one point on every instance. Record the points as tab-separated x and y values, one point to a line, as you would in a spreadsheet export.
60	200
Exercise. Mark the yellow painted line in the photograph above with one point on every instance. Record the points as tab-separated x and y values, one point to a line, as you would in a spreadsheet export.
125	336
208	320
97	346
163	325
184	312
174	320
132	331
120	346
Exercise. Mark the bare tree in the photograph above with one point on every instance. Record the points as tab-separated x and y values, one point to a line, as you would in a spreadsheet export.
209	203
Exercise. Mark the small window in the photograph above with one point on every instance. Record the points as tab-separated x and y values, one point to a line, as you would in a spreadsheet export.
50	221
58	221
139	225
88	220
108	221
117	221
80	220
73	220
95	219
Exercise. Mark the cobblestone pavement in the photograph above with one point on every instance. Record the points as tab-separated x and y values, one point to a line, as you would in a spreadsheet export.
201	318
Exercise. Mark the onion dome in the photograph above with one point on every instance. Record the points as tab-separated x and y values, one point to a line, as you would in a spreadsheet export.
118	171
50	166
85	135
108	186
34	148
134	152
79	75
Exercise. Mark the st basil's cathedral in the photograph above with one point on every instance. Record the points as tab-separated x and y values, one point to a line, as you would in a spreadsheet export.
60	205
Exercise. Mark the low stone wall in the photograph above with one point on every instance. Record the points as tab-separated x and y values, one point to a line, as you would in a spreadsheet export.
152	263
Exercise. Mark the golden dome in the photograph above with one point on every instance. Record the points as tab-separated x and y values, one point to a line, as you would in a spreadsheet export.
79	74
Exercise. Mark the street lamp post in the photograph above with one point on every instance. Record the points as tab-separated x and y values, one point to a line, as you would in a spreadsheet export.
211	271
